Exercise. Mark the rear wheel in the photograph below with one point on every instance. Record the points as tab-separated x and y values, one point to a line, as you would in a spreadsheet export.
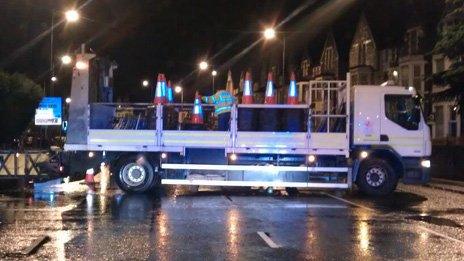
376	177
136	174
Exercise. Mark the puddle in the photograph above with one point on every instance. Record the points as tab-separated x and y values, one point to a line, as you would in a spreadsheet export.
435	220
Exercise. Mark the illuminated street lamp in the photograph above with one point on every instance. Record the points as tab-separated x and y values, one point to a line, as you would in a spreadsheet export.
72	16
145	83
54	79
66	59
203	65
178	89
68	100
270	34
213	73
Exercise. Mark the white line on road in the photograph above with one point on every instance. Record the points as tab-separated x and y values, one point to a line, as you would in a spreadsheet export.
419	226
349	202
268	240
441	235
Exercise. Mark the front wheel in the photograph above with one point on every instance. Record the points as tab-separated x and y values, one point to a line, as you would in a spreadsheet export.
376	177
136	174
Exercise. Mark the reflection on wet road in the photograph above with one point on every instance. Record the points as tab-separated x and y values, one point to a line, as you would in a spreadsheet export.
413	223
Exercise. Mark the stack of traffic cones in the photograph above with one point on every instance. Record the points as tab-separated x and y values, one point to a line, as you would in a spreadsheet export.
292	97
270	93
160	92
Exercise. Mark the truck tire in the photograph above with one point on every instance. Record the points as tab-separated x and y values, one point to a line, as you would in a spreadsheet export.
136	177
376	177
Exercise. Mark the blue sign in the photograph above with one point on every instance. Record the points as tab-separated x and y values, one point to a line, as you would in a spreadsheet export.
49	111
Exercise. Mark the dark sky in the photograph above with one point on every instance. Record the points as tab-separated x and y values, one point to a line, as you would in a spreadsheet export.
146	36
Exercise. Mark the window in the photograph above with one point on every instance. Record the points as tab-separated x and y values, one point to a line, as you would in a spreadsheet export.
439	65
305	68
452	132
417	80
403	110
439	120
405	75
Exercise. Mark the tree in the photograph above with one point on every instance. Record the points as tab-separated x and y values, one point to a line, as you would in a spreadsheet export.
451	44
19	96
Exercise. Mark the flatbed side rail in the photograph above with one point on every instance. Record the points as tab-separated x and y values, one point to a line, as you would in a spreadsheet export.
148	127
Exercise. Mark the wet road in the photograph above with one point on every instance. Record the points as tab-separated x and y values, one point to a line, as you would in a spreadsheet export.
413	223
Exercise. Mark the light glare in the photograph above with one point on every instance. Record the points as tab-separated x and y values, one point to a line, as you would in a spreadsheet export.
66	59
71	16
203	65
269	33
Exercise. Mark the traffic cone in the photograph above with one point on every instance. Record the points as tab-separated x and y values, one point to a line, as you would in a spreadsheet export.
247	97
89	176
169	94
270	93
197	116
160	92
292	97
230	83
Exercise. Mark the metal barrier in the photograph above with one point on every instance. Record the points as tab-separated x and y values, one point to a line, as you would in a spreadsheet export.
14	163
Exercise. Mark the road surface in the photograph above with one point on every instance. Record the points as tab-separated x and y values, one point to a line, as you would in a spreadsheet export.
416	222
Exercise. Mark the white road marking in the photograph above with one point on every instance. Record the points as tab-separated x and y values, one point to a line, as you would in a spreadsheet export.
441	235
268	240
419	226
47	209
350	202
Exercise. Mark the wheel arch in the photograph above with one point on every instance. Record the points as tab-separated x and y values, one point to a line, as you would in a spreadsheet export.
380	152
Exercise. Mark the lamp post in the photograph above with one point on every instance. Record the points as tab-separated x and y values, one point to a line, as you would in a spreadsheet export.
213	74
179	89
71	16
270	34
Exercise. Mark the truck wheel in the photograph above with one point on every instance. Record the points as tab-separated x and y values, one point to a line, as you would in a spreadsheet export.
135	175
376	178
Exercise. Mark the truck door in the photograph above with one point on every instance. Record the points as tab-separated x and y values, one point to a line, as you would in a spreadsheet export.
401	125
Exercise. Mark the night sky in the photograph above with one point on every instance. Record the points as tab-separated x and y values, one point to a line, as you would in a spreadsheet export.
146	37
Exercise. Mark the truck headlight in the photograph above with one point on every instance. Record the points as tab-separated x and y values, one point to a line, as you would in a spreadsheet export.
425	163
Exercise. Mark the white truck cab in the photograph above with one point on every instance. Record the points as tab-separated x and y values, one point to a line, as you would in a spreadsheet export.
389	126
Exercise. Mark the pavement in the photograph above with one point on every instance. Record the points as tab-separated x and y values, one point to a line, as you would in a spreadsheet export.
416	222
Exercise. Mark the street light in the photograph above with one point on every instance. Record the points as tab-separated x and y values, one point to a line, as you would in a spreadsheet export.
72	16
203	65
54	79
213	73
269	33
178	89
145	83
66	59
68	100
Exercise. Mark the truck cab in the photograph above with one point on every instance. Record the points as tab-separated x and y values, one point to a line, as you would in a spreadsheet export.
390	132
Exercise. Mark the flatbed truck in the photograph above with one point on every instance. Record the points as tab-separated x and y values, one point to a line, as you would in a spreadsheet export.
371	136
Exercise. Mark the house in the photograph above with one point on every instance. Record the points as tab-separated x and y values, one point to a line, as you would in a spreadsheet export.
373	55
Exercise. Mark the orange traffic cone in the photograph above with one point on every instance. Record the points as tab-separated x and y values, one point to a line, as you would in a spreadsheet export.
292	97
197	116
247	97
270	94
89	176
160	92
